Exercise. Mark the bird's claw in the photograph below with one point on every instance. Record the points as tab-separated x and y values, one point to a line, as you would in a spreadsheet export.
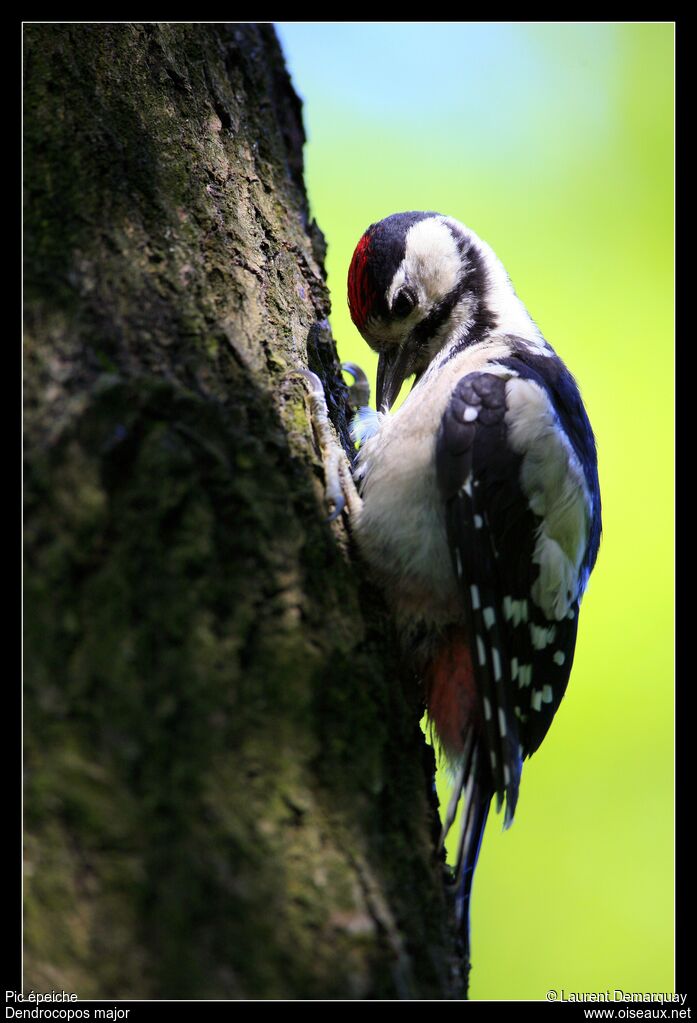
359	391
339	505
338	478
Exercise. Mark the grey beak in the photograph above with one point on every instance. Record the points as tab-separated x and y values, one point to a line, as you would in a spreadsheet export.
393	369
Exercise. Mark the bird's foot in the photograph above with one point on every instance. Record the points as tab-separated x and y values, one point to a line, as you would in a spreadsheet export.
339	487
365	422
359	391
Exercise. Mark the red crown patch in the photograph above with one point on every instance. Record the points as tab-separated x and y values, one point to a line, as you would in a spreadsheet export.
361	293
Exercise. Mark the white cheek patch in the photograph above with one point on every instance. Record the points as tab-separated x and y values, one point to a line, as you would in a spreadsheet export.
396	283
553	481
431	262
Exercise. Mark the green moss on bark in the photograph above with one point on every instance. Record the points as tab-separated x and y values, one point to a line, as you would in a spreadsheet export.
227	793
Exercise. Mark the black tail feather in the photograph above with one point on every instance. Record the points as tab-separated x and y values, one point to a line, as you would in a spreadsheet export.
476	791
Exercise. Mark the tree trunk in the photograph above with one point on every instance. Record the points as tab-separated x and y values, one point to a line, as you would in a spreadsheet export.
227	793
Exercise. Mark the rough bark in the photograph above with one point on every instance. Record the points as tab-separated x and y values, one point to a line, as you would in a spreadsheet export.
227	793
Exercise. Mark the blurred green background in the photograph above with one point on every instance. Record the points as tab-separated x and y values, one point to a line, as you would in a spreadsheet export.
555	143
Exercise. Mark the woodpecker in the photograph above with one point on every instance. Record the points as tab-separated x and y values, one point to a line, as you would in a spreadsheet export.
478	505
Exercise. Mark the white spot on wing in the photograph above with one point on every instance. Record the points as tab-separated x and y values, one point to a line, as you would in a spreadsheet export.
547	694
541	637
487	709
559	657
474	590
481	651
502	722
536	699
519	611
488	616
497	663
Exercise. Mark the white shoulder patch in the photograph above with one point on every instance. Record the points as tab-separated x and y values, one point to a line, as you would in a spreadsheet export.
552	479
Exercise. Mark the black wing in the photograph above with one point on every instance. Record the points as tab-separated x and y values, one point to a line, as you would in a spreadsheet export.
522	653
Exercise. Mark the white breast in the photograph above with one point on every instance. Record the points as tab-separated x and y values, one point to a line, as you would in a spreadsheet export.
401	527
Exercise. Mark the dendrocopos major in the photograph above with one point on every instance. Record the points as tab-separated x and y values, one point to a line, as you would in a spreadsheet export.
479	508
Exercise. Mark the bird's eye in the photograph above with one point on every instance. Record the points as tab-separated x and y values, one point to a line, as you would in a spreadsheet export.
403	303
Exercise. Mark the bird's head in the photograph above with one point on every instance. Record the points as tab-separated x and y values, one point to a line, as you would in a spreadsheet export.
414	279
